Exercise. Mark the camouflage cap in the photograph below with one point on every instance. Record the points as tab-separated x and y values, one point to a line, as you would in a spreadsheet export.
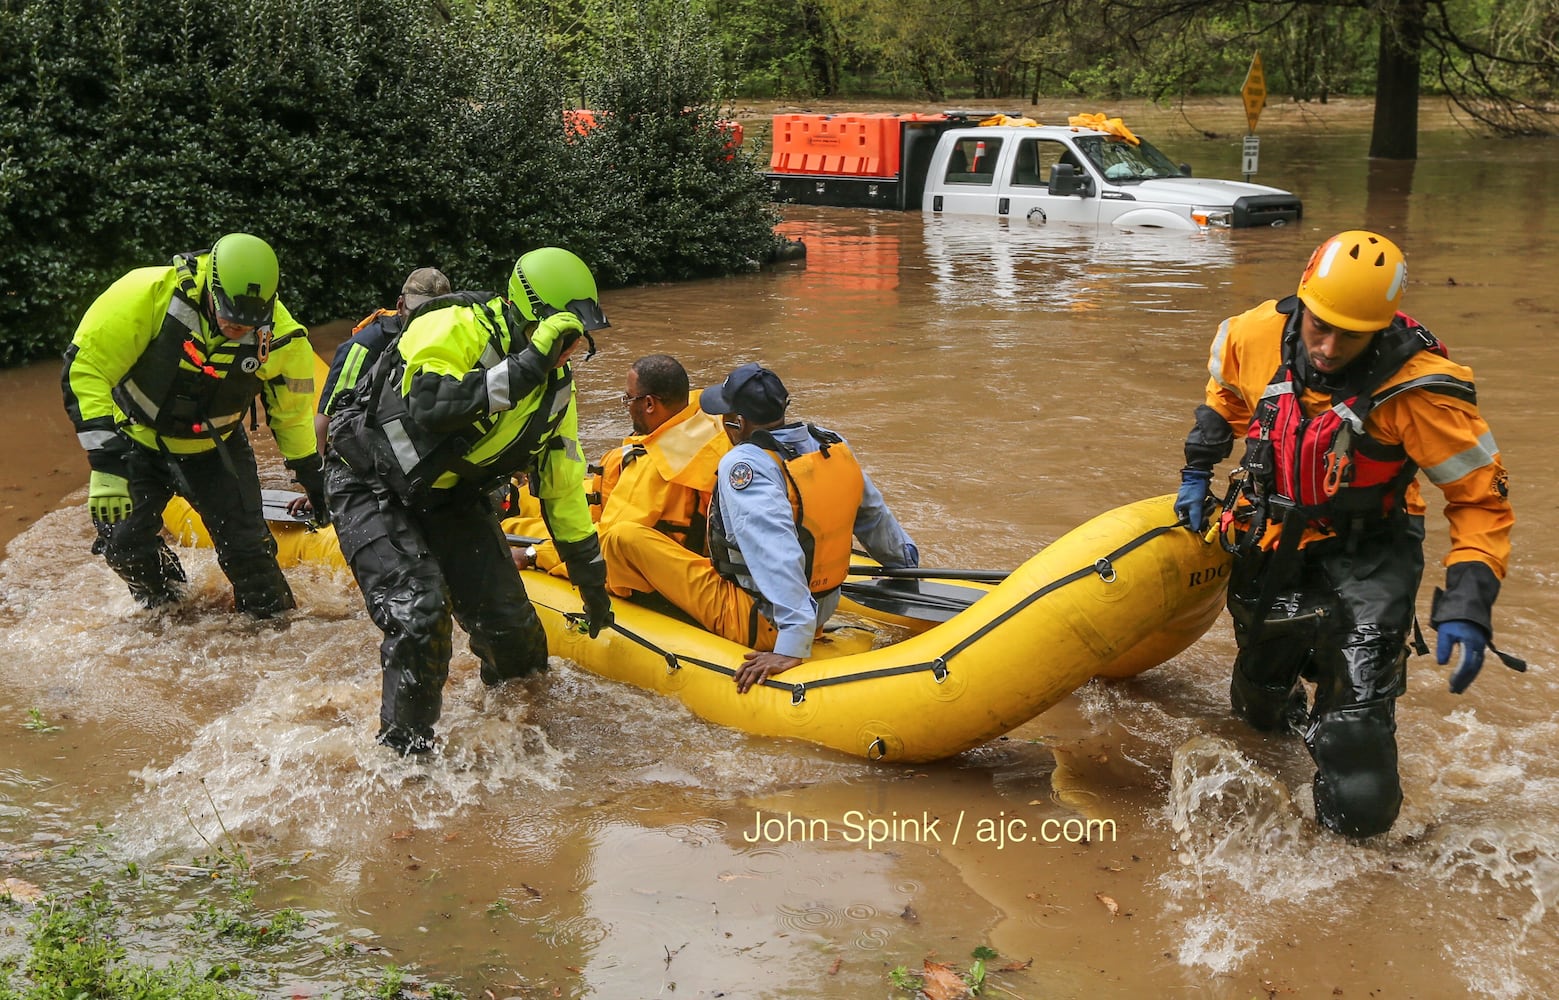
423	284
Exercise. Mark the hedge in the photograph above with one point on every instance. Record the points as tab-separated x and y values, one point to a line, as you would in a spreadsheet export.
362	139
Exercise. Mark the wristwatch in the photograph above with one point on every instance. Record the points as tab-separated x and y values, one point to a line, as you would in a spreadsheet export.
530	556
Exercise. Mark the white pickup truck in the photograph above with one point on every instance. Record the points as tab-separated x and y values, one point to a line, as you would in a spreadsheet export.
1042	173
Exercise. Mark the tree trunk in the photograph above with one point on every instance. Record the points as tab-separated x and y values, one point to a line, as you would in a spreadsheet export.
825	64
1395	133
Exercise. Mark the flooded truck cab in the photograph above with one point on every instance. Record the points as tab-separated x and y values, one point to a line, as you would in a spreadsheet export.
963	163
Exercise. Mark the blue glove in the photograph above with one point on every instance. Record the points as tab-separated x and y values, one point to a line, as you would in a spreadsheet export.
1191	502
1473	640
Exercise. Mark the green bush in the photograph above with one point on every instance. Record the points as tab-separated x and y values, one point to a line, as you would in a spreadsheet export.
362	140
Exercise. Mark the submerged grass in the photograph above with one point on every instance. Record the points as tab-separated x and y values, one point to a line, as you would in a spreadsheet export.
105	928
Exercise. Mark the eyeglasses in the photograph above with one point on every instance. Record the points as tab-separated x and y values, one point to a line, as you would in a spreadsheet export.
630	400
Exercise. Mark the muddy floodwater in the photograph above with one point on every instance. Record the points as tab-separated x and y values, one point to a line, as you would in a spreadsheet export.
1002	382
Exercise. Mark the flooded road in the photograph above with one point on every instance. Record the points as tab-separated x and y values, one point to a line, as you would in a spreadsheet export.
1002	382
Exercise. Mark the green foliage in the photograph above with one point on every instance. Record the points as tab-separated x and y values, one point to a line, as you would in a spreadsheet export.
903	979
362	140
73	952
665	195
37	723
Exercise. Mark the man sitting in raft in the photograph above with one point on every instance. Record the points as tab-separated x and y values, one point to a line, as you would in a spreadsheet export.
788	498
663	476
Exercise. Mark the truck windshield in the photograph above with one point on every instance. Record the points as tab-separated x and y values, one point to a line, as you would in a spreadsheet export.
1121	162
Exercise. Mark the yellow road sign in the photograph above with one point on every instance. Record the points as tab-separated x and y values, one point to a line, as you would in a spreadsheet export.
1255	91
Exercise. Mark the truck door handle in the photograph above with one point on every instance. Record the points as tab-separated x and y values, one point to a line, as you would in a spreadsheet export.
1003	205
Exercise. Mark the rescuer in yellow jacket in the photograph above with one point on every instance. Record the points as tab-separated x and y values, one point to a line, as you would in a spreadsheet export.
662	476
1342	400
157	380
477	389
789	497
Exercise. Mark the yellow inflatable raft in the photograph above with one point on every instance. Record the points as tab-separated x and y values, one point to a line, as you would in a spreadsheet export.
1117	595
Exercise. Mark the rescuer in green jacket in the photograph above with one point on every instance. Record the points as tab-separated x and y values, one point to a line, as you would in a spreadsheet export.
157	380
476	389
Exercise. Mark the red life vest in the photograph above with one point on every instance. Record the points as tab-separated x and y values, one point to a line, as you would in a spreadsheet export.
1328	465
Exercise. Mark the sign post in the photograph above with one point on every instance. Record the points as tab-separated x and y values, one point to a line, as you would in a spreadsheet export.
1254	93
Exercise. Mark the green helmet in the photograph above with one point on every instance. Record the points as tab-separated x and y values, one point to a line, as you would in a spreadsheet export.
551	280
244	276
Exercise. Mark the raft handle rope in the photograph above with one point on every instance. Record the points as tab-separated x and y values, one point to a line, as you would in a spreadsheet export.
1104	567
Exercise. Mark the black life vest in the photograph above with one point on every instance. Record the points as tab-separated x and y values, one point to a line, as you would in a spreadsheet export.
825	489
410	458
1328	467
179	390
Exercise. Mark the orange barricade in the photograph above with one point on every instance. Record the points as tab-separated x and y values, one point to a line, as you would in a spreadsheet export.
865	145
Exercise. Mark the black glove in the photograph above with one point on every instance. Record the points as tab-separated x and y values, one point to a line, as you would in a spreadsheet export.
310	474
587	570
598	609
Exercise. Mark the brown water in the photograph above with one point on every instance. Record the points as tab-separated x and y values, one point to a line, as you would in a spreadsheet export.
1002	383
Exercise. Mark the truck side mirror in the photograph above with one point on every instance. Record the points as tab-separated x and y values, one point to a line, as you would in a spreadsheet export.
1065	180
1185	170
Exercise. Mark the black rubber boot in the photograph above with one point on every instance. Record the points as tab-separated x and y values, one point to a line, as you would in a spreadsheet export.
406	742
1357	790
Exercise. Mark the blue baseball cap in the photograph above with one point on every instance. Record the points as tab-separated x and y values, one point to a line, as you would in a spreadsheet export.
750	391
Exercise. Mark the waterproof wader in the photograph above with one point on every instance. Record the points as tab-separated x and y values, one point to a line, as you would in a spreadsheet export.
413	566
226	495
1341	616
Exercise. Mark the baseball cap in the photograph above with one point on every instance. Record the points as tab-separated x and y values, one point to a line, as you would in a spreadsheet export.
751	391
423	284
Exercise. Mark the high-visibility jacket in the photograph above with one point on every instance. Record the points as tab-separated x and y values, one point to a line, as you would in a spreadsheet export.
438	412
148	363
1422	415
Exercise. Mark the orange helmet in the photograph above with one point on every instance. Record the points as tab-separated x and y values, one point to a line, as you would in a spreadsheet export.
1354	281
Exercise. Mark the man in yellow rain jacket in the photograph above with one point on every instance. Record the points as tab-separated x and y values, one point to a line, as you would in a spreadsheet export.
1342	400
157	380
477	389
789	498
662	476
